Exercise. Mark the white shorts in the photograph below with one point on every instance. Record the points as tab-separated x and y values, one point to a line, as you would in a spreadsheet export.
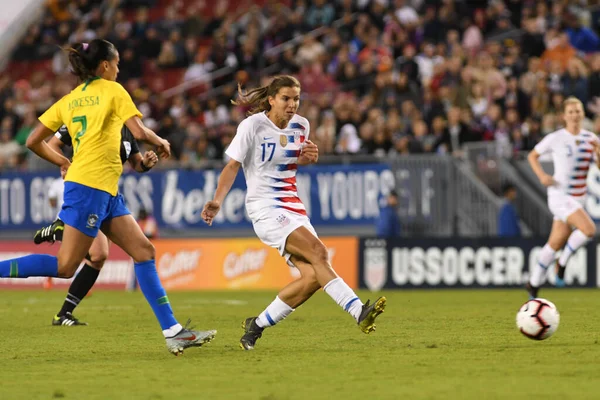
273	226
562	205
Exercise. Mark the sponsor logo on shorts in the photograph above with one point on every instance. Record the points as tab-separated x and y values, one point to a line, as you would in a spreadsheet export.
92	221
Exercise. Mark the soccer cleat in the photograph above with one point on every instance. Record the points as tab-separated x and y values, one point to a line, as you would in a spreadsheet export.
67	320
50	233
532	290
187	337
253	332
366	321
560	275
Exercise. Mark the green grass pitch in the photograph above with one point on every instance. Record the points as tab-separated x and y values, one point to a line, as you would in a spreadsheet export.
428	345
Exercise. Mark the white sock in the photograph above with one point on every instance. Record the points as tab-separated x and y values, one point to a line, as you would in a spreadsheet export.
545	259
275	312
341	293
172	331
576	240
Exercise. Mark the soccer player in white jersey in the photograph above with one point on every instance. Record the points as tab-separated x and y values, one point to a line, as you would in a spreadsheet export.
269	145
573	150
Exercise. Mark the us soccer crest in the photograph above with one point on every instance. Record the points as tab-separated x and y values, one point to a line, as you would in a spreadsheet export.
375	273
296	137
283	140
92	220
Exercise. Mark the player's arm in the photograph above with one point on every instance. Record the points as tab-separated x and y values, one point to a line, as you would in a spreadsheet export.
534	161
141	132
36	142
143	163
211	208
56	144
309	154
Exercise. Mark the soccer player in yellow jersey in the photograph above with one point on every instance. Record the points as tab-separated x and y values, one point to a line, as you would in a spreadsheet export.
94	113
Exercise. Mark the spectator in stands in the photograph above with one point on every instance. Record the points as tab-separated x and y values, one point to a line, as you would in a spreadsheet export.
388	222
415	60
508	219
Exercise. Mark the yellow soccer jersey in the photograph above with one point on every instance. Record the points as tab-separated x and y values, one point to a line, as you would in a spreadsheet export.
94	113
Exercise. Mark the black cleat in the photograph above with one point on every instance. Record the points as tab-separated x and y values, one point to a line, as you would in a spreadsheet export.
253	332
67	320
532	290
50	233
366	321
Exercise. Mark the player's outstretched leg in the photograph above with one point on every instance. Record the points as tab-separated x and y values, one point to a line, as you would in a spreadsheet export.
126	233
303	243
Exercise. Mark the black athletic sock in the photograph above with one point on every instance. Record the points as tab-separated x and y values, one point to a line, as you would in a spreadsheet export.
80	287
561	271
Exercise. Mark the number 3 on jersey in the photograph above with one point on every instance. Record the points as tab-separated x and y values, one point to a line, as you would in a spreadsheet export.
267	147
83	121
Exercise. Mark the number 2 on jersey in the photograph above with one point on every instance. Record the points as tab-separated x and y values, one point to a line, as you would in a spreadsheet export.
266	146
83	121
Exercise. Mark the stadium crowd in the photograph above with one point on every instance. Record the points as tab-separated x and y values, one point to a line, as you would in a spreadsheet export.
383	77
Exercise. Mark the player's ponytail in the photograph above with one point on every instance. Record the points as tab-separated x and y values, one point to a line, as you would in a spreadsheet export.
258	98
86	57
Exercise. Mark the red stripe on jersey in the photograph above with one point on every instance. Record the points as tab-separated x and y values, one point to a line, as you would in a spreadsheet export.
290	188
302	138
301	212
577	194
289	181
289	200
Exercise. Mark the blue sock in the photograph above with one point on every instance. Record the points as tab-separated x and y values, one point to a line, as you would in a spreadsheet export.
31	265
155	293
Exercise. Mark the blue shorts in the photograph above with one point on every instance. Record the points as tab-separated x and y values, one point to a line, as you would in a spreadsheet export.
85	208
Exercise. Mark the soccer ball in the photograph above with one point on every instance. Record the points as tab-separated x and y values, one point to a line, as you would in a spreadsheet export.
538	319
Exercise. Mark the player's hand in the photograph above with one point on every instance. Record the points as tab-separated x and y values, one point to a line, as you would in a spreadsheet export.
309	154
164	149
64	167
210	211
150	159
547	180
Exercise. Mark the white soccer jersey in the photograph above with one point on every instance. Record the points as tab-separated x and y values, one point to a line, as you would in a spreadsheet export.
572	156
269	157
56	191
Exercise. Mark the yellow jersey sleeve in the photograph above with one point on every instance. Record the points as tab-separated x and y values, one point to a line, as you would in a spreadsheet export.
123	105
52	118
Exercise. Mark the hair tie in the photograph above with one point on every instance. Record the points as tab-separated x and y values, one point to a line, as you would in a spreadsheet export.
85	46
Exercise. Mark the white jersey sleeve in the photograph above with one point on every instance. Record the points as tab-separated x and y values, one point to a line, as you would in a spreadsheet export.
546	145
241	144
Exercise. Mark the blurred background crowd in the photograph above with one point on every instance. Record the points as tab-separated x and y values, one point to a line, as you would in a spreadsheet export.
381	77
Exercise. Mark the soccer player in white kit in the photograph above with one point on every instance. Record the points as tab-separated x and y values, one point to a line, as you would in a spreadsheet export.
573	150
269	145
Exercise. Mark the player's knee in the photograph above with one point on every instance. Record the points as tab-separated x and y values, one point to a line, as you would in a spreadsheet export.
589	230
98	258
146	252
